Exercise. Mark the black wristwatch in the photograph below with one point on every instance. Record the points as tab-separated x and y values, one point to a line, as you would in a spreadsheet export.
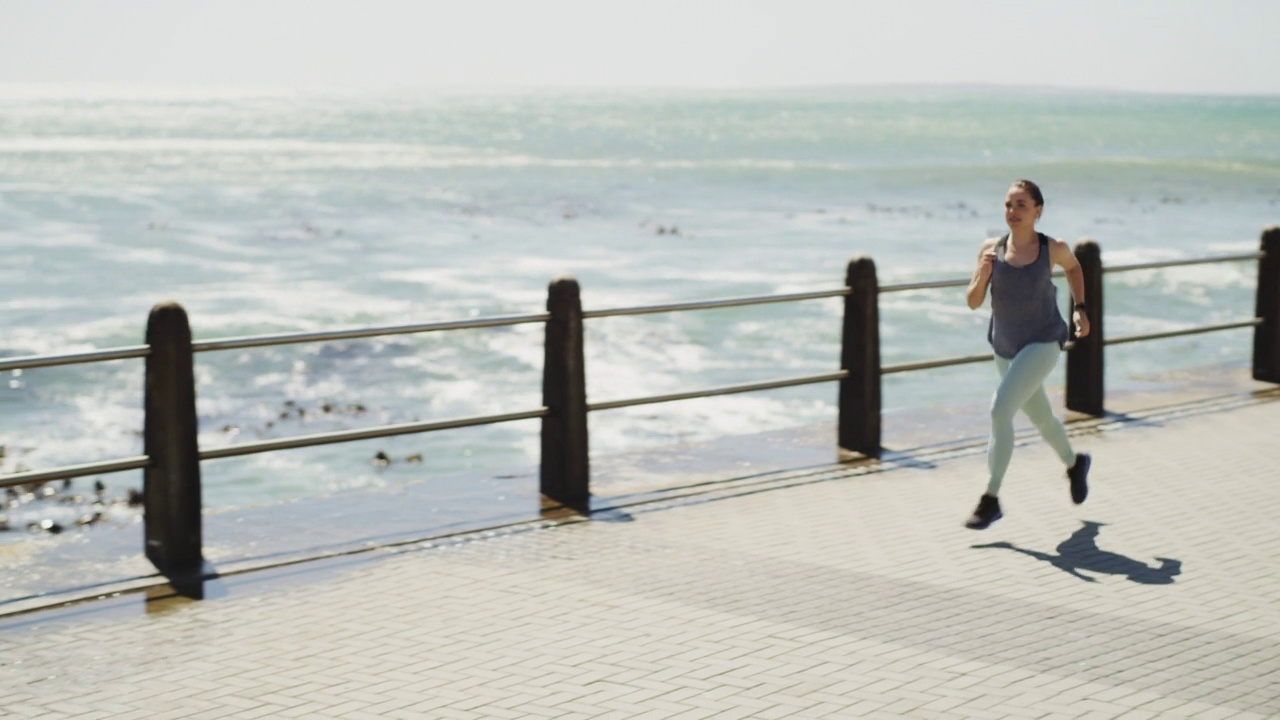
1082	306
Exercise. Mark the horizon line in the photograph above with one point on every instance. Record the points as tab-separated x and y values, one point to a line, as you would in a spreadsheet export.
216	89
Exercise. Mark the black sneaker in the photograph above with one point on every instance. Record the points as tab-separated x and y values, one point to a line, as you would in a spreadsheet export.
1079	475
987	512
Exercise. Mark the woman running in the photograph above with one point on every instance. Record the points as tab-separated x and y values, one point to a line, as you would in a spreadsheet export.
1027	333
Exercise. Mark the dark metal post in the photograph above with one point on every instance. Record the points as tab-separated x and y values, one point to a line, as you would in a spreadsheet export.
565	472
171	481
859	424
1266	337
1085	360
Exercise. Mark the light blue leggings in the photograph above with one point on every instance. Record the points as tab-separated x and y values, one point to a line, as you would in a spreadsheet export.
1022	388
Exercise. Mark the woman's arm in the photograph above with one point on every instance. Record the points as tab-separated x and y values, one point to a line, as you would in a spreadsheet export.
1061	255
977	292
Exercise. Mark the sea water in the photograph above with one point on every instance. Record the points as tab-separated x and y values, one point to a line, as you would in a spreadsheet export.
283	212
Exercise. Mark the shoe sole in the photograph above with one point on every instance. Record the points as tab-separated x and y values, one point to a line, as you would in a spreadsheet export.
987	524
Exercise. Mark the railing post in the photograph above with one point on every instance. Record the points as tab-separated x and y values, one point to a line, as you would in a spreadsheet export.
171	480
1266	337
565	470
859	423
1085	384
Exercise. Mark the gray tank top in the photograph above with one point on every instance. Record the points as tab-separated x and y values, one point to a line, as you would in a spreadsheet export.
1024	304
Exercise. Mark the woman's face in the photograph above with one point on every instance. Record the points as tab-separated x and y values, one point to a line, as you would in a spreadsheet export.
1020	209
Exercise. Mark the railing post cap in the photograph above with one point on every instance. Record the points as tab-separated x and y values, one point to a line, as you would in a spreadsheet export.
168	318
168	306
562	284
563	292
862	262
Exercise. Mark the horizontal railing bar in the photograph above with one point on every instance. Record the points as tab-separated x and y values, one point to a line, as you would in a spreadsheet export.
1179	263
92	356
1185	331
232	343
937	284
381	431
235	343
723	390
930	364
720	303
72	471
925	285
968	359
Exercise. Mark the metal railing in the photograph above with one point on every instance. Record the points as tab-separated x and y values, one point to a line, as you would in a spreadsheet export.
171	459
1197	330
716	304
42	361
384	431
1251	322
252	341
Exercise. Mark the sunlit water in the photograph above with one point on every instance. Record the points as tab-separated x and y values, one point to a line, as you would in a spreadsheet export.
264	214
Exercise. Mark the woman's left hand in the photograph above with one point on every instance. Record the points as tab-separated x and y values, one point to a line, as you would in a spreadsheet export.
1081	320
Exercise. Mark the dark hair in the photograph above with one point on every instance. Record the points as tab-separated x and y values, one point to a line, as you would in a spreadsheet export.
1032	189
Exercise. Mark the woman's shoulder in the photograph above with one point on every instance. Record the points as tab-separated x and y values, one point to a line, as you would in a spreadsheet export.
1056	246
987	245
1060	253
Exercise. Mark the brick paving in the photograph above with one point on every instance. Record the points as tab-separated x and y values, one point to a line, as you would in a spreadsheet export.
844	591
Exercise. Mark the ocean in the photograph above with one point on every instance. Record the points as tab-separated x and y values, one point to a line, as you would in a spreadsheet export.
269	212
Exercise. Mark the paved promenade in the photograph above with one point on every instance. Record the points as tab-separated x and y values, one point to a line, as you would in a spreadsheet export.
832	592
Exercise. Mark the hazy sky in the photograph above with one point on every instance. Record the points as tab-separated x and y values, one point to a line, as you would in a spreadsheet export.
1197	46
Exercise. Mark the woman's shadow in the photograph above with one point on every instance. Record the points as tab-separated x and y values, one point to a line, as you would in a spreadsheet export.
1081	552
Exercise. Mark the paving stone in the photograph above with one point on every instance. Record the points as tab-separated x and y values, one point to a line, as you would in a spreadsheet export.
828	592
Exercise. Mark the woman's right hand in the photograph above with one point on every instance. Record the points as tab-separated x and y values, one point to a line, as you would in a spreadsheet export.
986	261
982	275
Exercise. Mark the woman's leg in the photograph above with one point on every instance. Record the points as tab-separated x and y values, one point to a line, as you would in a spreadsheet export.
1020	378
1040	412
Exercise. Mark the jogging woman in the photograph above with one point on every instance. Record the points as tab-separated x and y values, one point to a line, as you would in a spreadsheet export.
1027	333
